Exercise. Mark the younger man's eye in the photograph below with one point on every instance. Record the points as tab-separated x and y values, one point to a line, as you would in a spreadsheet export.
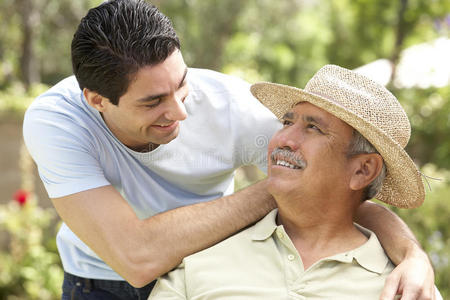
153	103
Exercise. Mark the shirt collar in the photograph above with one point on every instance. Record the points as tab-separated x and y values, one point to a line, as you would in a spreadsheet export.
370	255
265	227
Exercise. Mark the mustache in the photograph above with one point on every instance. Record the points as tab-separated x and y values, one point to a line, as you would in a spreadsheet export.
289	156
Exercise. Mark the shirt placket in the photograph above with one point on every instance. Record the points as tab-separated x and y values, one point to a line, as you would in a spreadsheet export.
293	265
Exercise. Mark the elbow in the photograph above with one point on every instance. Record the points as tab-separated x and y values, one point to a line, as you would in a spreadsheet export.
140	273
140	264
140	280
140	277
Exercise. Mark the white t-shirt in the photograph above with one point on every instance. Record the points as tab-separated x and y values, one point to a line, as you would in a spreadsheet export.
75	151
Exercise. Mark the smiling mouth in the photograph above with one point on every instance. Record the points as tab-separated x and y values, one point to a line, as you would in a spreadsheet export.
167	125
286	158
287	164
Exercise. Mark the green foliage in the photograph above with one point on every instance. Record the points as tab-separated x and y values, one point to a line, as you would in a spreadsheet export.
430	224
15	99
429	111
287	54
30	266
54	23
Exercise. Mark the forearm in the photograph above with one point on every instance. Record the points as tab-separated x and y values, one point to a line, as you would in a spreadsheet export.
141	250
395	236
172	235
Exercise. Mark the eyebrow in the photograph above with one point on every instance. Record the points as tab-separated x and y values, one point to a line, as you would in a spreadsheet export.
289	115
310	119
153	97
315	120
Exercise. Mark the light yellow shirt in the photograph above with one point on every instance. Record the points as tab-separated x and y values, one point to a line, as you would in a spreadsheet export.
262	263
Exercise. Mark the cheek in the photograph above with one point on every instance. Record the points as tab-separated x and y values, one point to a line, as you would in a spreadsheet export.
151	117
270	148
273	143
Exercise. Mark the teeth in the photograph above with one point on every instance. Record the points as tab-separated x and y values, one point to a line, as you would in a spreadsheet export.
286	164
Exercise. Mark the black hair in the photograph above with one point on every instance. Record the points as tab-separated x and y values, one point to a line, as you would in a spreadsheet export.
117	38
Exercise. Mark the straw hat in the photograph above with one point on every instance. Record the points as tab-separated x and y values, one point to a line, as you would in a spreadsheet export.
367	107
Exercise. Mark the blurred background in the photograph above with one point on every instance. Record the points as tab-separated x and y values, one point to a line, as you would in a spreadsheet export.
404	44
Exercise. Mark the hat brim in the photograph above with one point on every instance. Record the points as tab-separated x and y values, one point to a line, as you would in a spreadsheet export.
402	186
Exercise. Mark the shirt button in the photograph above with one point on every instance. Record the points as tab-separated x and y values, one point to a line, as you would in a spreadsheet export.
280	235
291	257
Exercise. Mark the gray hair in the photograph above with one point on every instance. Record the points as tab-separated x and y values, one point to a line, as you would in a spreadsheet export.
359	145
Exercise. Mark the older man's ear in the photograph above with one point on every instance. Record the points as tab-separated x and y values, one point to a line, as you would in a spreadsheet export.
365	168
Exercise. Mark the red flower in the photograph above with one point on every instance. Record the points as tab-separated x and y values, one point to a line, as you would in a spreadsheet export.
21	196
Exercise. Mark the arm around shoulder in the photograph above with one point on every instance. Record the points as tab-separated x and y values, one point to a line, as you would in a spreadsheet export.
413	277
142	250
395	236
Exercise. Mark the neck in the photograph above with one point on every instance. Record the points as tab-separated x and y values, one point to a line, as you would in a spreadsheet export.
126	141
320	229
147	148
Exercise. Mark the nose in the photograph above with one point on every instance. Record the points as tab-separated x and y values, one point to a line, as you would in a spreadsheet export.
289	138
176	110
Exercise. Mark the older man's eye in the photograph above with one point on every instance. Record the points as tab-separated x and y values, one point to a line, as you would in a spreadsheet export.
286	122
314	127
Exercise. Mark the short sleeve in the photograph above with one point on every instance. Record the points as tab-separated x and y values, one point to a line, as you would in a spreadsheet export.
63	152
170	286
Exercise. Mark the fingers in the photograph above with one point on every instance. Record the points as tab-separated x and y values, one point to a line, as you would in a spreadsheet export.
413	279
418	293
412	295
391	287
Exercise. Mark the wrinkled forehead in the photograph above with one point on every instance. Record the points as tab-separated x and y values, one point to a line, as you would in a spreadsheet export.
305	107
308	112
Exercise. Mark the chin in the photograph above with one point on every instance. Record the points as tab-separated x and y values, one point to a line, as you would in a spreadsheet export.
165	139
283	185
276	186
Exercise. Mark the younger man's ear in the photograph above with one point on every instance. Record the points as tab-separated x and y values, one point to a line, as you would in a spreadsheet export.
365	168
95	100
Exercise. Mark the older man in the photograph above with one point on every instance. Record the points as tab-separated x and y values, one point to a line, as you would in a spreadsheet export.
341	144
